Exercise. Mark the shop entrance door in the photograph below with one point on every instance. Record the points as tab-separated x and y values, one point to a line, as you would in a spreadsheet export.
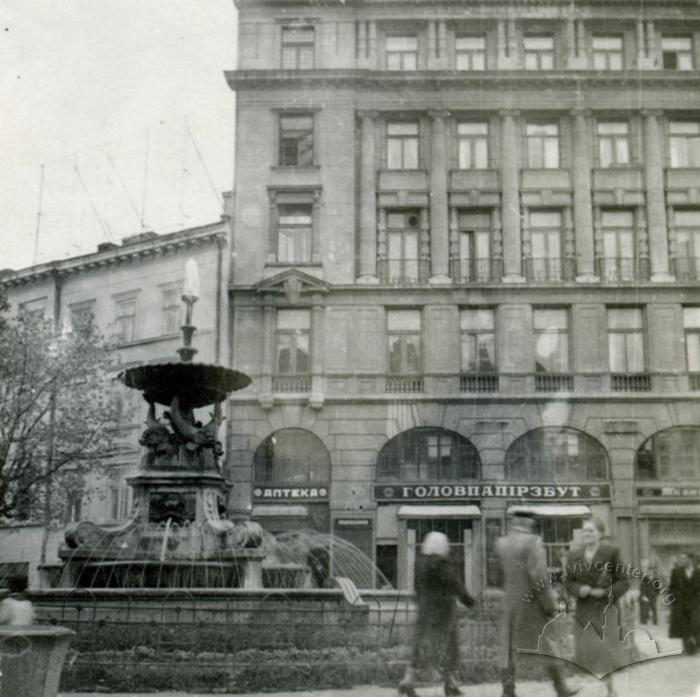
668	537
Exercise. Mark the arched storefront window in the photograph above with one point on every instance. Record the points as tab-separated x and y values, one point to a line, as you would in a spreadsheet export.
556	454
290	456
428	454
671	454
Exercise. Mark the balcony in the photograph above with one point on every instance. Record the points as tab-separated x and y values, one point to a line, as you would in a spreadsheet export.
474	179
682	179
622	269
618	178
404	384
554	382
539	179
687	269
403	272
476	270
630	382
550	269
478	382
291	383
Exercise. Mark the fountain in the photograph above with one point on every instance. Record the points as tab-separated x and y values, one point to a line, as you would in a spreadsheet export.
177	535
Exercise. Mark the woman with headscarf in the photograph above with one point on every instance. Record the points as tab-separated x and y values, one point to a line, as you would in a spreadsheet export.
438	586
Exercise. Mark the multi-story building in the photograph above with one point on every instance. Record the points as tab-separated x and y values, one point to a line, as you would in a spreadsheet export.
466	253
132	291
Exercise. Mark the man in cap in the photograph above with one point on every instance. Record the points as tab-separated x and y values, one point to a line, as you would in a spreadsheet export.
528	601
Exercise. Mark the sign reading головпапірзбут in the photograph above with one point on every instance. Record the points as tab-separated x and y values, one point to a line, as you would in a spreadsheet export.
450	492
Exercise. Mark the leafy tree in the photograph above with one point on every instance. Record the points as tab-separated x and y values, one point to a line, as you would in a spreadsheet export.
57	414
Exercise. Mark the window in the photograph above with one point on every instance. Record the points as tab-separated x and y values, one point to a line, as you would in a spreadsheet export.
545	240
687	262
607	52
294	233
691	326
125	319
291	456
82	316
618	245
473	141
292	341
684	143
401	52
297	48
404	341
403	234
551	329
474	246
626	340
73	512
539	52
670	455
556	534
542	145
470	53
120	502
478	341
613	143
402	145
33	310
677	52
428	454
296	140
556	455
171	309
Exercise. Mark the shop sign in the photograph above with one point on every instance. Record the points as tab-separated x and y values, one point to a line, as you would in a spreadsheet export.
353	523
451	492
679	492
285	493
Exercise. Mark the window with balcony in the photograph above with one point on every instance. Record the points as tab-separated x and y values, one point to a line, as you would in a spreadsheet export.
684	143
298	48
474	263
607	53
125	319
545	242
551	336
539	52
677	52
478	349
687	261
402	52
294	230
171	309
473	143
292	342
403	243
626	349
402	145
404	342
470	52
613	143
542	145
296	140
619	262
691	328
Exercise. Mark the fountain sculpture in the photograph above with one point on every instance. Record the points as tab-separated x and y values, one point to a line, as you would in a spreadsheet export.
177	535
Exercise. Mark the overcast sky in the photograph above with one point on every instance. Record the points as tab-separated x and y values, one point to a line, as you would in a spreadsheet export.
125	104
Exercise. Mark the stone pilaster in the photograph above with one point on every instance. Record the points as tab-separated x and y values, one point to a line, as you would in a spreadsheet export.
268	359
510	187
368	199
317	335
439	229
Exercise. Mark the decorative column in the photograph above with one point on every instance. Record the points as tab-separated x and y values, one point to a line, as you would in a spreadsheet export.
641	45
368	200
382	266
439	239
268	358
454	267
317	336
510	187
656	207
598	244
372	43
424	247
496	270
583	212
569	268
673	241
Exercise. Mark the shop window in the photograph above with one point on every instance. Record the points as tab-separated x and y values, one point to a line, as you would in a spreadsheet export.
670	455
542	145
473	141
402	145
428	454
291	456
556	455
297	48
296	140
684	143
401	52
470	53
539	52
677	52
607	52
557	534
613	143
453	529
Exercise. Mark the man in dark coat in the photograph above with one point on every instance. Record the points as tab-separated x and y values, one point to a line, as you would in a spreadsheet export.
685	589
438	587
528	600
648	593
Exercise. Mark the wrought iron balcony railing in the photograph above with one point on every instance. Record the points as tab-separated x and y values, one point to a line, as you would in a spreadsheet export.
622	269
476	270
403	271
687	269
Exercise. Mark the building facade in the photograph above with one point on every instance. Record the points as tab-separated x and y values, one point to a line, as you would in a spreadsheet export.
132	291
465	264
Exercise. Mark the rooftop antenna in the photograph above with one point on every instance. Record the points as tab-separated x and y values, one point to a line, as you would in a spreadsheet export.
38	214
105	229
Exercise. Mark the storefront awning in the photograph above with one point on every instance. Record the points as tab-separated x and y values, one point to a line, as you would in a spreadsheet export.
439	512
275	511
670	510
553	510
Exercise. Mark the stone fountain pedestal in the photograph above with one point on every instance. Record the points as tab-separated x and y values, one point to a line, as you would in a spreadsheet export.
31	659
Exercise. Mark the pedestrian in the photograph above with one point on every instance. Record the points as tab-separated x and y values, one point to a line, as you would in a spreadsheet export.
528	601
16	608
595	573
684	587
648	593
438	587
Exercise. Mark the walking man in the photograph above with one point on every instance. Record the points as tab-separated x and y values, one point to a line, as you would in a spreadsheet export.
528	601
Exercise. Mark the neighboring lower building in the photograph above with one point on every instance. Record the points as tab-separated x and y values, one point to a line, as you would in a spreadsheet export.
132	291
